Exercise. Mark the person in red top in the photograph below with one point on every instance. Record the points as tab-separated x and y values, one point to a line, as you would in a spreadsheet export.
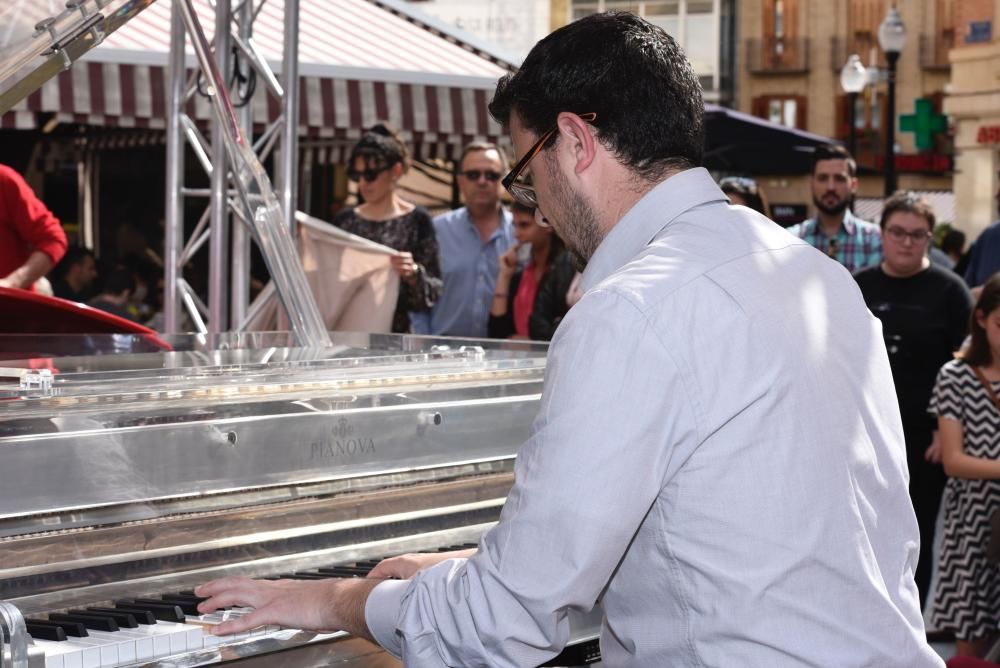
31	238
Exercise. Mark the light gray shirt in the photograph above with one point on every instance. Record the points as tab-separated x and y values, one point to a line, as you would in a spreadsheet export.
718	461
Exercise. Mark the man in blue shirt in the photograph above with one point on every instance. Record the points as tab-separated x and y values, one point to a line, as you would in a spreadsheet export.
471	241
984	256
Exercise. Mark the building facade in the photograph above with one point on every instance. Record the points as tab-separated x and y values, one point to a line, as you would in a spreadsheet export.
973	102
789	66
704	28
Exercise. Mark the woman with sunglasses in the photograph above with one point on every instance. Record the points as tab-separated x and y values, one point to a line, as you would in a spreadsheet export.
376	164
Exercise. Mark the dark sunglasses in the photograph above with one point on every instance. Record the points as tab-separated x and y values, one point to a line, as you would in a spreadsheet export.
369	174
522	192
475	174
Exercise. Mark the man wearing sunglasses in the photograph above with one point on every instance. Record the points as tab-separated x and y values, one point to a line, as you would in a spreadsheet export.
471	240
713	461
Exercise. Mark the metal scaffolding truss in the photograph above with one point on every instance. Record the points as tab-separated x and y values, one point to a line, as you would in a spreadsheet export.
241	204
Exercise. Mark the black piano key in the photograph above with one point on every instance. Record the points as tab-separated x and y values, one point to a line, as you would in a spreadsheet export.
144	617
343	572
124	619
42	632
163	611
187	606
92	621
305	576
74	629
190	594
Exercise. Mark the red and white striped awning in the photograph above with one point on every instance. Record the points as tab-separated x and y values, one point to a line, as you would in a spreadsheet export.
361	61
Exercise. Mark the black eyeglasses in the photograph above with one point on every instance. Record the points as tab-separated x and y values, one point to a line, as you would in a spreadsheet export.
522	192
899	235
369	174
476	174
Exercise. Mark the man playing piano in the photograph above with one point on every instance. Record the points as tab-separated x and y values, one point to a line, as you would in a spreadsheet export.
714	462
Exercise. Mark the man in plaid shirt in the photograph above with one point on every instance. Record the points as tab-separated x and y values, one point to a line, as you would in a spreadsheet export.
853	242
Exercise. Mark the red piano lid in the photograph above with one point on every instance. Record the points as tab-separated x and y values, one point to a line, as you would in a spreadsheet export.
24	312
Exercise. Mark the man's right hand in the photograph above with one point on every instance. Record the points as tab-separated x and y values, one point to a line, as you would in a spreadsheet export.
405	566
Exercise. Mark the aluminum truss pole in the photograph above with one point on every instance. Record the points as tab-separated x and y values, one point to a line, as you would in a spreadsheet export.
218	267
174	216
257	200
239	298
288	184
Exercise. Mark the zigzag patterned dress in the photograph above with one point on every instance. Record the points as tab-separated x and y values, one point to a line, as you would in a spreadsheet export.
967	598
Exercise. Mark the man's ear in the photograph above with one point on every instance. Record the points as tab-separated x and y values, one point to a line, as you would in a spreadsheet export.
578	136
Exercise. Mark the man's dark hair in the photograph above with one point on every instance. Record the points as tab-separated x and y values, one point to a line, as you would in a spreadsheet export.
908	202
118	281
953	242
632	74
74	255
834	152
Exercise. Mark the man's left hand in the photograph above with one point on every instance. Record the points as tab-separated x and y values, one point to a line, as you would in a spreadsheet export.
322	606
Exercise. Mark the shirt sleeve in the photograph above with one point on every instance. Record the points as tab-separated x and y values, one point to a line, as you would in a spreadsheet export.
972	270
597	459
34	223
946	399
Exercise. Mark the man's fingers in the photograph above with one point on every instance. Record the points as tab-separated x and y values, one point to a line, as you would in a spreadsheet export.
228	592
243	623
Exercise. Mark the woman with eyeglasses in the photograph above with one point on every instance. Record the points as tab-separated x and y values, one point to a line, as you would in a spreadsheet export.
924	311
744	191
523	275
376	164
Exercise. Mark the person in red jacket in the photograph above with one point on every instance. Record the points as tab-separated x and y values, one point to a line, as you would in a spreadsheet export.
31	238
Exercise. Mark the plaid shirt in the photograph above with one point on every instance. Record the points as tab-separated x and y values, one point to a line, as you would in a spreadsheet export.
857	243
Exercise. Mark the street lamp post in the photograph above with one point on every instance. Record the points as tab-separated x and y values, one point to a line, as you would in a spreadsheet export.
892	38
853	79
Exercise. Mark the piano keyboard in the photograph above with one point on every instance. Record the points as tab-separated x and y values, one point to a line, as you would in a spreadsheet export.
134	631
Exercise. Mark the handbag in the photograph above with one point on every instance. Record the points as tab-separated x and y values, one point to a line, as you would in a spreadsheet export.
993	546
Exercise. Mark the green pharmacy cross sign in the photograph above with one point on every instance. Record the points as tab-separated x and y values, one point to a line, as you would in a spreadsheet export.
924	123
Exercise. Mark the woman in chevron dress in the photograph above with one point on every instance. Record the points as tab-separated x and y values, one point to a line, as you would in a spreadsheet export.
967	597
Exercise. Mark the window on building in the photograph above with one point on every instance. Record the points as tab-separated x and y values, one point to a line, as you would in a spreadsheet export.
695	24
787	110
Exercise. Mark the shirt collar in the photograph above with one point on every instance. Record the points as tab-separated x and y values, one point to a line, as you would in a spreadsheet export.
657	209
848	224
504	229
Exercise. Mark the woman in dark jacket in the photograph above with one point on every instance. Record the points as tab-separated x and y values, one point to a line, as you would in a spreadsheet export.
514	312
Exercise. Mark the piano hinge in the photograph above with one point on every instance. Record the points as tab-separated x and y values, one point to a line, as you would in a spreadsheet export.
89	24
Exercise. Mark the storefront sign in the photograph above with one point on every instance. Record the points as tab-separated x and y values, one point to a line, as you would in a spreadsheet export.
789	214
919	163
988	134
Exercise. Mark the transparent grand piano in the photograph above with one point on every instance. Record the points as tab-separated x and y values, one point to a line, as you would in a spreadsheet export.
129	479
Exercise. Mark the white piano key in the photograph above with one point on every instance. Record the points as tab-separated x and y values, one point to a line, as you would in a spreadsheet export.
60	654
124	643
142	640
74	653
107	651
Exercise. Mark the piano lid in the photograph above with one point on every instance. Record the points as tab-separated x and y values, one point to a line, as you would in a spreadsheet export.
41	38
